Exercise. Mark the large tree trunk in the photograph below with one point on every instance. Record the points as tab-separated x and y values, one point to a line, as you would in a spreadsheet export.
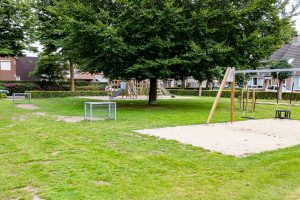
200	88
153	91
72	82
280	90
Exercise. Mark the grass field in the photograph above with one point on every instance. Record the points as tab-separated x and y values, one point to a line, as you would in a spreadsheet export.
107	160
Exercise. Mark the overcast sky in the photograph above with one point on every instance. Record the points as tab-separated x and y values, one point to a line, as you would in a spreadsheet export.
297	26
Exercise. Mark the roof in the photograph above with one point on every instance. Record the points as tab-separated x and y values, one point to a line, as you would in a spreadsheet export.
24	66
289	52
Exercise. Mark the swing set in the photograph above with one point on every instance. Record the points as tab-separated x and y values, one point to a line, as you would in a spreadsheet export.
229	77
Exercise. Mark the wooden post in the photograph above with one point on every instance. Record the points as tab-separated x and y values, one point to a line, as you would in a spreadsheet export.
253	101
232	100
213	109
247	99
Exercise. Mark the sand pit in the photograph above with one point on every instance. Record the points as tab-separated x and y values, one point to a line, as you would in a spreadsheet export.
27	106
237	139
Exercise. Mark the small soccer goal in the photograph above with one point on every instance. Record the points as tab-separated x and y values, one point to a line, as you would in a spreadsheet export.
94	111
21	98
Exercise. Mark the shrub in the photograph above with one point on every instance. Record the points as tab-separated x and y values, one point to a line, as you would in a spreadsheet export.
19	87
227	94
90	88
54	94
3	96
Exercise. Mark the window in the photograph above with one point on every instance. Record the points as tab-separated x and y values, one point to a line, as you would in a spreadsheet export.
18	78
5	65
256	82
284	82
296	82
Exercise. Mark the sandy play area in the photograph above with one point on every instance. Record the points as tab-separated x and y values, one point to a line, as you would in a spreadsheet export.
237	139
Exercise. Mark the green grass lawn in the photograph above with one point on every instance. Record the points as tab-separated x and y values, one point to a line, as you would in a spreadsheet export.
108	160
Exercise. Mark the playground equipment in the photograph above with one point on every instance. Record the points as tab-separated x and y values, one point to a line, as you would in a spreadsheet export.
245	102
122	88
230	78
21	98
132	89
100	111
161	90
284	113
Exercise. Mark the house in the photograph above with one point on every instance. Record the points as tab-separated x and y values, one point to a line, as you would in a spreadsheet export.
15	69
7	69
88	77
25	65
19	69
289	52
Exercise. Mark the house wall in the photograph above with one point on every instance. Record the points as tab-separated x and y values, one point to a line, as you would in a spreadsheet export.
8	75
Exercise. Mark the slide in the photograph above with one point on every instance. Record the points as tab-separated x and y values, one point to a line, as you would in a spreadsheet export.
117	93
165	91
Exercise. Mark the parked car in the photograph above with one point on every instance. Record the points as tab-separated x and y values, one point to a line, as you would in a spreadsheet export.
274	88
4	91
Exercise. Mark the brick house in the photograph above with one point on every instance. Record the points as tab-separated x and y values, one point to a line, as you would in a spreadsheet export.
7	69
12	69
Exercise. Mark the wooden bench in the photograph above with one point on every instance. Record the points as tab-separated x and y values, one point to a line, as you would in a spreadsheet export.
283	114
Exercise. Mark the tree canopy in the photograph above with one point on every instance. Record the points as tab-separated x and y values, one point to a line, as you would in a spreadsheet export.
150	39
15	26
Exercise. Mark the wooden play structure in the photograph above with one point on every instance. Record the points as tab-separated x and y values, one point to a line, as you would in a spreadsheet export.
229	77
129	89
132	89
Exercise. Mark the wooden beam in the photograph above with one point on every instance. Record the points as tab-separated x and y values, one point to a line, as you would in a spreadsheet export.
213	109
253	100
232	100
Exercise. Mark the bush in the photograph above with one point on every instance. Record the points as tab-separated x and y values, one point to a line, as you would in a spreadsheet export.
90	88
54	94
227	94
19	87
3	95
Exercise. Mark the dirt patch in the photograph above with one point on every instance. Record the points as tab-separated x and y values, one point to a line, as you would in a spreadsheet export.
43	114
70	119
102	182
34	192
27	106
237	139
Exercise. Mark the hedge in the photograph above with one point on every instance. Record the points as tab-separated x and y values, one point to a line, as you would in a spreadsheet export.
3	95
54	94
226	93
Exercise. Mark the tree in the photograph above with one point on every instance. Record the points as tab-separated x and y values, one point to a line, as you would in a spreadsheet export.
50	68
51	33
144	40
281	64
15	23
149	39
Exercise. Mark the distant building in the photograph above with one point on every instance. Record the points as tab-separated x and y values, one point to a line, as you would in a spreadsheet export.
289	52
19	69
7	69
25	65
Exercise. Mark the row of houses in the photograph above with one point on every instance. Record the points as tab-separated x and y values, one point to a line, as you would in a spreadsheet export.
20	68
12	69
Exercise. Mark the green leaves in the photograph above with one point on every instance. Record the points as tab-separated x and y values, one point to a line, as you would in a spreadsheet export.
15	24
